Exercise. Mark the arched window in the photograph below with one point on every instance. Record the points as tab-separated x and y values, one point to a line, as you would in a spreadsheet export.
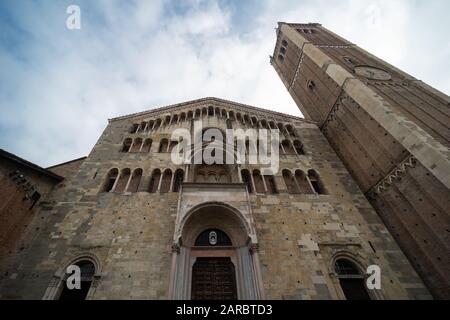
150	125
254	122
264	124
246	178
135	181
200	177
303	183
229	124
271	185
204	112
178	180
258	181
175	119
167	121
239	117
210	111
123	180
190	116
147	145
163	145
134	128
284	43
126	145
198	113
288	149
290	130
110	180
224	113
172	145
283	50
137	144
281	58
183	117
158	124
231	113
299	147
213	238
223	177
154	181
351	280
142	126
247	119
316	182
87	269
166	180
217	112
290	182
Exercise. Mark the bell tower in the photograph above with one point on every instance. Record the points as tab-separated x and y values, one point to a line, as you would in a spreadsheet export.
390	130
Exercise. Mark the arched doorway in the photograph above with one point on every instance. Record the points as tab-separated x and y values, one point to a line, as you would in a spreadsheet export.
215	256
213	278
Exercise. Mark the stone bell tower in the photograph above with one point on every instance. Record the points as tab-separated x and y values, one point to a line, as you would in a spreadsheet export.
390	130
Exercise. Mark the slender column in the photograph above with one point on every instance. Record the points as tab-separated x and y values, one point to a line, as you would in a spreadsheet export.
171	181
160	181
253	182
255	255
173	271
128	182
264	182
296	183
113	189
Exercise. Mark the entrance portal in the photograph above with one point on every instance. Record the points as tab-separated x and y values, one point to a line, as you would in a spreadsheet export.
214	257
213	279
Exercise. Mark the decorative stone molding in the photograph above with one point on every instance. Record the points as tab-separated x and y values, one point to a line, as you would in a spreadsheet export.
297	72
332	114
393	176
334	46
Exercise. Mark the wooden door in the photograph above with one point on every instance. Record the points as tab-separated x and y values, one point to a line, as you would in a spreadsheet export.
213	279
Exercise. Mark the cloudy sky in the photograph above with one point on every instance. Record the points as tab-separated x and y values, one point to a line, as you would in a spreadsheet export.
58	87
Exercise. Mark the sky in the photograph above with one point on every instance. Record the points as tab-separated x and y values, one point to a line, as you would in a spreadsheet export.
58	87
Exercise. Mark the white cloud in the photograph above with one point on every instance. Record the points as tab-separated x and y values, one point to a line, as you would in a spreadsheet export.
129	58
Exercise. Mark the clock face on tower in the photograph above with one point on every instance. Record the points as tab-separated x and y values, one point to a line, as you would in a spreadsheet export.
372	73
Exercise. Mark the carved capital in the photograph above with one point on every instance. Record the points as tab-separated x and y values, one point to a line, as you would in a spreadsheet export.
254	248
175	248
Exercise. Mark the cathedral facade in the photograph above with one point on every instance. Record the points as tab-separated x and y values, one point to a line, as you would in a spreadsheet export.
141	227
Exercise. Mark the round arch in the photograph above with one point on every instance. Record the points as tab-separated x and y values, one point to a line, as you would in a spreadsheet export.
201	211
